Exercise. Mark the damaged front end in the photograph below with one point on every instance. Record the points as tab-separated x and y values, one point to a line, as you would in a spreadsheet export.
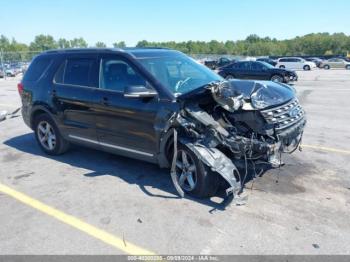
228	122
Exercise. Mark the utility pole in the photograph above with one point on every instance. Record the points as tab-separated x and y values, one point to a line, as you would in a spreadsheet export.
2	63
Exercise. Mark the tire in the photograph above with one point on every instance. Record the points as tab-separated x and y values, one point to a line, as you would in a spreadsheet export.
347	67
48	136
327	67
277	78
282	66
229	77
201	182
307	68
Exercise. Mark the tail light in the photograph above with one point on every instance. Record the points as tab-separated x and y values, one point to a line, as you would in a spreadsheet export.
20	88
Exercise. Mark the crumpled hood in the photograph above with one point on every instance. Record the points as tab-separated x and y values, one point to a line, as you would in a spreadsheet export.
263	94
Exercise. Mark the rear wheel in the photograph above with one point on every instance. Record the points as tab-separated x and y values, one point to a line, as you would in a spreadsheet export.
48	136
229	77
347	67
326	67
277	78
193	176
306	67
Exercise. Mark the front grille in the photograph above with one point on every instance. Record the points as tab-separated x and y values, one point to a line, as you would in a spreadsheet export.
285	115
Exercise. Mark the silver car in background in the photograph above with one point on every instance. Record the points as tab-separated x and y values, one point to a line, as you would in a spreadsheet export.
336	63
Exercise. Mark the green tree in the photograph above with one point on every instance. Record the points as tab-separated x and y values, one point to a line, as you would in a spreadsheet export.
42	43
78	43
100	44
142	43
63	43
120	44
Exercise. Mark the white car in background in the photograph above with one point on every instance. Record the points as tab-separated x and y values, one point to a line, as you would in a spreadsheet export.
295	63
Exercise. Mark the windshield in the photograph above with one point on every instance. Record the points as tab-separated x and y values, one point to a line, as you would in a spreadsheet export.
178	72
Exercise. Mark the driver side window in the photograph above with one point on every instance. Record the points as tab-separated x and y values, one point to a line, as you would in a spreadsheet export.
116	74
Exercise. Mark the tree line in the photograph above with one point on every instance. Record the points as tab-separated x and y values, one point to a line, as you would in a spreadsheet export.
311	44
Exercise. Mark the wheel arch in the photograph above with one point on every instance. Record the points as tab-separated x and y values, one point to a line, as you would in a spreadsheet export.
36	111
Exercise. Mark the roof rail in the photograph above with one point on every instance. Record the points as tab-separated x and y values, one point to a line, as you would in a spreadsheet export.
71	50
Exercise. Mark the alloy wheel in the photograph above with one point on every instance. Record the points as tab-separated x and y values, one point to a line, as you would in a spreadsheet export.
186	171
46	135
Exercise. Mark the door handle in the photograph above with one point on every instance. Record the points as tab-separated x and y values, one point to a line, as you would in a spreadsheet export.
105	101
54	93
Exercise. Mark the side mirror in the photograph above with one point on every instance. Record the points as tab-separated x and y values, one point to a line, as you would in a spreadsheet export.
139	92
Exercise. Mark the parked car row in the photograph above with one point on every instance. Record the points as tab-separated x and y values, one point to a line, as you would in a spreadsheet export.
12	70
265	68
293	63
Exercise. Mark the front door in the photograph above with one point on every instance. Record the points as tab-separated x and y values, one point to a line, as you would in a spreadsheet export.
258	71
124	125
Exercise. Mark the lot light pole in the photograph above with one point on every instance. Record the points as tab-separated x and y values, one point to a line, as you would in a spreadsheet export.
2	63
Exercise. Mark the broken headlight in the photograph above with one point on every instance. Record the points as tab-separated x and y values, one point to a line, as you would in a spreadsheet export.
271	94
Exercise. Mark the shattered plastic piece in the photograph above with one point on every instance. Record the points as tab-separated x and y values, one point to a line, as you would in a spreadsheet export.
241	200
3	115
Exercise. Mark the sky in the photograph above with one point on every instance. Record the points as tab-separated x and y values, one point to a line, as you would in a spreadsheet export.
112	21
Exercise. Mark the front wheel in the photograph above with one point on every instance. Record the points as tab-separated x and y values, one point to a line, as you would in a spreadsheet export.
48	136
326	67
347	67
194	177
277	78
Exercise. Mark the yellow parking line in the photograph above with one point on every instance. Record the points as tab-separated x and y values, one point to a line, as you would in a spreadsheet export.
342	151
95	232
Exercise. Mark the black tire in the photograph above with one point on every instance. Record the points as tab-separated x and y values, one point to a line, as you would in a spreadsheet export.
277	78
206	182
229	77
327	67
307	68
282	66
60	145
347	67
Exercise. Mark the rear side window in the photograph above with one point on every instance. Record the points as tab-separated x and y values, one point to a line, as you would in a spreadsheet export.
243	66
257	66
77	71
37	68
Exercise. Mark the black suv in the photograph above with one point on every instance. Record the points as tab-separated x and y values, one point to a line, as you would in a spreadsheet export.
160	106
257	70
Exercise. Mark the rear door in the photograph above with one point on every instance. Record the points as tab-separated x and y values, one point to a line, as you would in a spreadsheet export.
124	125
73	93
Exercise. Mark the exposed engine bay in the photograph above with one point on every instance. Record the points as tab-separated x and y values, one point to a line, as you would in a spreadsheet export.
227	122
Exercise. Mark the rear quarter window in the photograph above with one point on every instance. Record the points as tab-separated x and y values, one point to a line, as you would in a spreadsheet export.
37	68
